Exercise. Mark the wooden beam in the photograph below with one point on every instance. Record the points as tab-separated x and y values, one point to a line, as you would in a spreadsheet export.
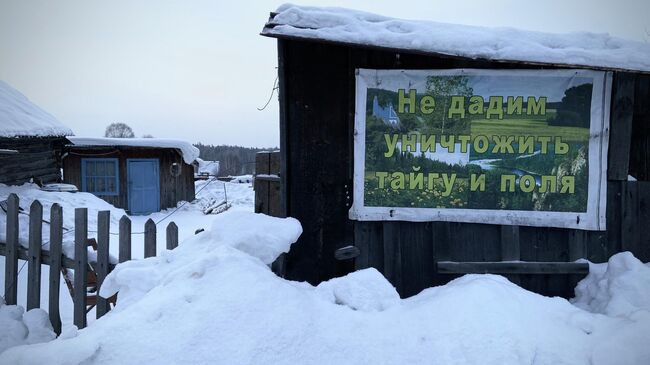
12	250
34	260
621	126
56	239
514	267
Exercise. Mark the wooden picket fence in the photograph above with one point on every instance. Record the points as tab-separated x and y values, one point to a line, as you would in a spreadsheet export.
54	257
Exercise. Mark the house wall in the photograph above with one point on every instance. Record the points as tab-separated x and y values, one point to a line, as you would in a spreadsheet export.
317	88
38	158
172	188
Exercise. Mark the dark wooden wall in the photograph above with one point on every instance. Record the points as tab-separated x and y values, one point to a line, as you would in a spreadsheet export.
38	158
172	188
317	88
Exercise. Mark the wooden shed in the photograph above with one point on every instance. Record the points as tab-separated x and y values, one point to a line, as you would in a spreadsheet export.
31	140
140	175
320	53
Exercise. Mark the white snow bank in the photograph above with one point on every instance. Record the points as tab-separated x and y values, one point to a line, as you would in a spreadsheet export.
364	290
620	287
189	152
505	44
207	302
208	167
20	117
20	328
27	193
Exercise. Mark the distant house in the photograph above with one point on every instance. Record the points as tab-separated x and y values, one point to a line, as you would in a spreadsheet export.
204	169
31	140
386	113
140	175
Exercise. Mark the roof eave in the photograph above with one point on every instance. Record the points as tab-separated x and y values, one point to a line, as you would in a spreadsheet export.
270	34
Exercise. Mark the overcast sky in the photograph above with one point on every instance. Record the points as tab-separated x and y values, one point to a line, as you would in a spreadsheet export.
198	70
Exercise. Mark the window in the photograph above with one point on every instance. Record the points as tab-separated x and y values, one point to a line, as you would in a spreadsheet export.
100	176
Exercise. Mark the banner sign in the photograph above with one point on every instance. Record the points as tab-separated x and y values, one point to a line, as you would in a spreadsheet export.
522	147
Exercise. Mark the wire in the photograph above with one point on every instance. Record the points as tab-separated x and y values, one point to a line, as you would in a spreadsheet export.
275	87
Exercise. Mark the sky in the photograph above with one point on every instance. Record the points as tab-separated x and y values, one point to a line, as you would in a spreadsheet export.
199	70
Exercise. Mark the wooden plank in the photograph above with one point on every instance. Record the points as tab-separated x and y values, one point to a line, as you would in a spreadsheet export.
621	126
284	130
56	255
103	242
81	266
23	254
630	232
416	248
11	254
640	142
392	253
34	261
361	241
149	238
172	236
125	239
451	267
510	250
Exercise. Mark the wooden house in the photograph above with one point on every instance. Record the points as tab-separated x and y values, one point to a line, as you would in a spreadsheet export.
320	53
140	175
31	140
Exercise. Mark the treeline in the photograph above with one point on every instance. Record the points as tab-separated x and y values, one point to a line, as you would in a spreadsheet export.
233	160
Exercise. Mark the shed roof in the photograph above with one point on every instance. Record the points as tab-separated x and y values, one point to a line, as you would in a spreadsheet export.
351	27
189	152
19	117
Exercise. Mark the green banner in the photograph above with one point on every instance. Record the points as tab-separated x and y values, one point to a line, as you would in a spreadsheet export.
491	146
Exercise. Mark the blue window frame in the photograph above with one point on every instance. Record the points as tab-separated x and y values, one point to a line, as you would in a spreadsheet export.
100	176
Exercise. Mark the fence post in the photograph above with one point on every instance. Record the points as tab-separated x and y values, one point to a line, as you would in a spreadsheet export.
34	259
11	259
172	236
81	266
56	238
149	238
125	239
103	241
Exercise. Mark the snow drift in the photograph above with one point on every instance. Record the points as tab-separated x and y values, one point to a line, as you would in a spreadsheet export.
213	300
501	44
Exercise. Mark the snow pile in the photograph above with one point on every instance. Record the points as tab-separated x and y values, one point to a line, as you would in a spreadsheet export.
189	152
503	44
27	193
620	287
20	117
208	302
20	328
210	168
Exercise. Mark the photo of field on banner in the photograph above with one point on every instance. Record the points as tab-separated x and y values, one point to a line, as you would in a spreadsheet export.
525	147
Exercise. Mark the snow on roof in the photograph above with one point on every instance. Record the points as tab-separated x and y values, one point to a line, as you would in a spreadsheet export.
19	117
499	44
189	152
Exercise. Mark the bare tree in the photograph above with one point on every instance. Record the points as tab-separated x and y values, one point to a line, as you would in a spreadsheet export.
119	130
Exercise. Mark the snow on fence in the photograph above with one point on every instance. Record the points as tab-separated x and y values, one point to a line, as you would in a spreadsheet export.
87	274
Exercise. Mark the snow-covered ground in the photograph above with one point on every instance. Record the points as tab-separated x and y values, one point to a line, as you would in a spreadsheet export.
214	300
188	218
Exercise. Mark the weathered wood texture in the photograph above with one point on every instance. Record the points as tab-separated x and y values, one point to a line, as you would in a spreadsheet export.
149	238
172	188
37	158
11	254
268	196
91	274
317	96
34	261
80	266
56	258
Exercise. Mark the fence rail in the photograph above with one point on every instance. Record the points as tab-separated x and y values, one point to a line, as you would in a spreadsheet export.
88	276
